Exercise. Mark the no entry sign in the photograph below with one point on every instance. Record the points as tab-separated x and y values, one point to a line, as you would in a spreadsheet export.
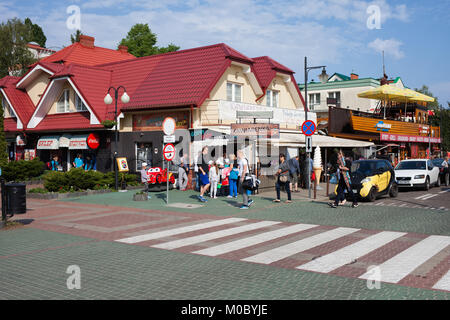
169	152
308	128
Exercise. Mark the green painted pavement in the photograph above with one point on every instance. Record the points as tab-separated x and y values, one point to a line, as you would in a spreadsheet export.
118	271
366	216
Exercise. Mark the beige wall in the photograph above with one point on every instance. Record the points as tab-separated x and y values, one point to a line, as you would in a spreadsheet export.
36	88
6	107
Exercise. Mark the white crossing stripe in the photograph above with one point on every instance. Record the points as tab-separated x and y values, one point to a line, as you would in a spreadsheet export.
251	241
379	204
213	235
422	196
402	205
351	252
448	190
444	283
290	249
429	196
399	266
171	232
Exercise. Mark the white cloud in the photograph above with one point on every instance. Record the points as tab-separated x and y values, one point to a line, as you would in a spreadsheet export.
390	47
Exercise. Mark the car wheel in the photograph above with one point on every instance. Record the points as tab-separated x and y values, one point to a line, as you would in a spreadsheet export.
371	196
427	184
393	193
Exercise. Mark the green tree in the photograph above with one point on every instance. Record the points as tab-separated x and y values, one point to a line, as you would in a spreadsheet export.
3	144
36	33
141	42
76	36
426	90
14	53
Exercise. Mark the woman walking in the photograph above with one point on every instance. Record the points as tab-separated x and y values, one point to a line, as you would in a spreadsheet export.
344	183
233	176
283	178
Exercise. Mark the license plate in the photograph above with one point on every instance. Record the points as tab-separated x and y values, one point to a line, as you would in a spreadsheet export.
403	182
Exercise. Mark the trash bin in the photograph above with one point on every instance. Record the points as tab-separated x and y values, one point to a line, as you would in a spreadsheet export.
16	198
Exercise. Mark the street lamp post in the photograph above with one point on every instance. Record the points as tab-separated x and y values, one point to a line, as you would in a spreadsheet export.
108	100
323	78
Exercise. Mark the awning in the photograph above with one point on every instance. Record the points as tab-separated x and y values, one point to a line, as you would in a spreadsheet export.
48	143
78	142
64	141
291	140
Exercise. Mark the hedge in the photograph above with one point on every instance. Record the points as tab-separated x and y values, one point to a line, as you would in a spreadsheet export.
22	170
78	179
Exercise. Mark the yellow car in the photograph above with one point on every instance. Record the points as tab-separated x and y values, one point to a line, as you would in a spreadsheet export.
371	179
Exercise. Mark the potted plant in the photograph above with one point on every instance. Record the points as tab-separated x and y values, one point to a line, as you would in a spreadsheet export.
140	196
109	123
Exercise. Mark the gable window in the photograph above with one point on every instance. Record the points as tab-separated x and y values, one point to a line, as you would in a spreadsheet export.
234	92
7	110
314	101
335	95
272	98
63	102
80	106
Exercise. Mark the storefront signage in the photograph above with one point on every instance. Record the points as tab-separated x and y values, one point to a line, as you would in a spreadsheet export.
154	121
93	141
205	134
48	143
122	164
381	126
269	130
405	138
78	142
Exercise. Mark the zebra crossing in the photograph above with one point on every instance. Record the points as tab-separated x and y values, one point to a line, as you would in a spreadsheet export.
397	204
308	247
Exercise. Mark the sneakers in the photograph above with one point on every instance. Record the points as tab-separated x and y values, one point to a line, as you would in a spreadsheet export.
250	202
277	200
202	199
332	205
244	208
229	196
355	205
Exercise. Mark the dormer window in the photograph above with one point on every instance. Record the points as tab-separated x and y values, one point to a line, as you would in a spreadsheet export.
63	102
234	92
272	98
79	104
7	110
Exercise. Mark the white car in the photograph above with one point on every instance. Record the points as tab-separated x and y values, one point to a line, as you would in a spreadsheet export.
417	173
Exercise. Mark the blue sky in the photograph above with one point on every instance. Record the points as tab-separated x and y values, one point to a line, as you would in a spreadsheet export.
413	33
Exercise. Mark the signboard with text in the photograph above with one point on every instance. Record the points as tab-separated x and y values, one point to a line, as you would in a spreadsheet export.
269	130
406	138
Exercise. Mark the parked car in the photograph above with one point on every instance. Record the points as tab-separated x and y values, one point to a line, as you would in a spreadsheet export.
444	173
371	179
417	173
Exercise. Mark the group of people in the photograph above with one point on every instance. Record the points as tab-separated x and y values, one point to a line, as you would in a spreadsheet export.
228	173
88	163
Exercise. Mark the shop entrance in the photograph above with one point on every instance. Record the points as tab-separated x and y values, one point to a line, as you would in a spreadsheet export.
144	153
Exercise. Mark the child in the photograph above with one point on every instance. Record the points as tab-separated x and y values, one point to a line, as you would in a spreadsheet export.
225	179
214	179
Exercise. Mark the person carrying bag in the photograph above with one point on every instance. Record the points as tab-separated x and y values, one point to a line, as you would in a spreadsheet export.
283	178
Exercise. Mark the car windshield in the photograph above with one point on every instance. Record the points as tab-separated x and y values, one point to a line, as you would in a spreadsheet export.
411	165
438	162
364	168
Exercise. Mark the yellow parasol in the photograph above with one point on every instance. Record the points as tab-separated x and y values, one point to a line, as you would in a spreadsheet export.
417	96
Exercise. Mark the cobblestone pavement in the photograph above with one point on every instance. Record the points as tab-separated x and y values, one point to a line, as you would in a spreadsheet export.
263	252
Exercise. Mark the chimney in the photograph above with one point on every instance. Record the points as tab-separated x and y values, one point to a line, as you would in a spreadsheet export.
123	49
354	76
87	41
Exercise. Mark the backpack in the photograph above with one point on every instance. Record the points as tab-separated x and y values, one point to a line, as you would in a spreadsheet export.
234	174
251	183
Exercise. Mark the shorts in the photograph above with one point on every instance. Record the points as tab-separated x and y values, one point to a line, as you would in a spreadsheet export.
294	178
204	179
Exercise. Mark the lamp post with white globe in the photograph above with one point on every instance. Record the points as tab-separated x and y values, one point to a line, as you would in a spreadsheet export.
125	98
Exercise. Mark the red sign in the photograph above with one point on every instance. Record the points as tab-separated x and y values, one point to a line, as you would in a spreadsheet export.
308	128
405	138
93	141
169	152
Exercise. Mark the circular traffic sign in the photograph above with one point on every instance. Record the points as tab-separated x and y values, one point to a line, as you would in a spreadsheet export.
308	128
169	152
169	125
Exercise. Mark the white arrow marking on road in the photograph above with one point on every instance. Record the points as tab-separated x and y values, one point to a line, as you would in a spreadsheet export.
399	266
444	283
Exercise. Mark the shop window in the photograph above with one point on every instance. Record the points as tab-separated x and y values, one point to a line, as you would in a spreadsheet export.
80	106
314	101
143	154
7	108
234	92
335	95
63	102
272	98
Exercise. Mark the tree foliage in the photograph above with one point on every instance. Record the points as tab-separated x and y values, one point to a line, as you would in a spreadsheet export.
14	53
75	37
426	91
36	33
141	42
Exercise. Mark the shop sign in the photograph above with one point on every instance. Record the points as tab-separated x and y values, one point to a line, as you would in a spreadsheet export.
48	143
405	138
78	142
269	130
122	164
154	121
381	126
93	141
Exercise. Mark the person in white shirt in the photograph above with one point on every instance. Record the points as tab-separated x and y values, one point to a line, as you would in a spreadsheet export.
243	171
214	178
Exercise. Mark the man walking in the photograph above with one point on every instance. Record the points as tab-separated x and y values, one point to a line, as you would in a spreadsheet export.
344	182
294	170
183	169
243	172
144	178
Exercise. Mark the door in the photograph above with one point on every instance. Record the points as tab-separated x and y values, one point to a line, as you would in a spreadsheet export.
144	154
433	172
383	175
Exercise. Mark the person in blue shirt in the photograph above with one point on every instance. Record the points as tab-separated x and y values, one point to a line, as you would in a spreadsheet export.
88	163
55	163
78	162
294	168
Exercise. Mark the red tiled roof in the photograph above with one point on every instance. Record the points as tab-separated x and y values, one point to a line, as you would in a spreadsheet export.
266	69
21	102
37	47
66	121
77	53
10	124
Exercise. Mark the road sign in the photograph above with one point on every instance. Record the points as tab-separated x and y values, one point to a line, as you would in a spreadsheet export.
169	152
169	139
169	125
308	128
308	144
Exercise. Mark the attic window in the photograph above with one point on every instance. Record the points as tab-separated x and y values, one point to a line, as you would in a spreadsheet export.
63	102
272	98
234	92
79	104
